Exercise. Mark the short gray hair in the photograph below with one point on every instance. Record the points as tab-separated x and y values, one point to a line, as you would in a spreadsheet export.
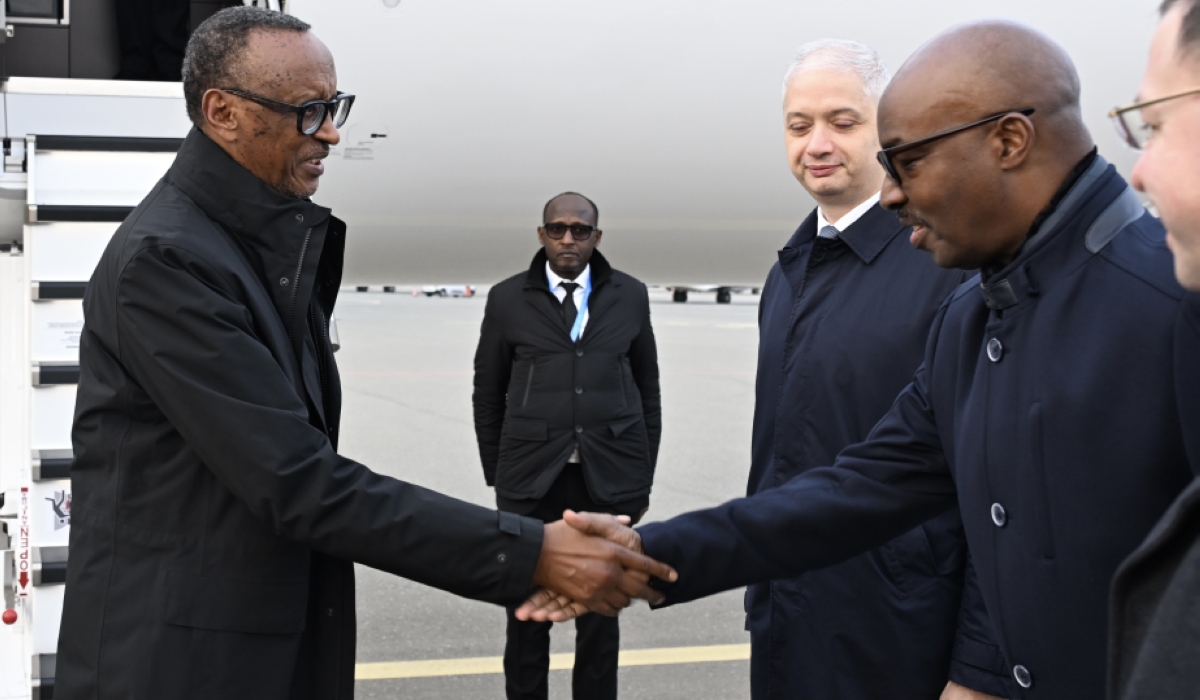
214	53
841	54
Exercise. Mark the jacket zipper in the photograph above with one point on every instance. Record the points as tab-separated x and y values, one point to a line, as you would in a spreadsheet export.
529	382
296	284
317	319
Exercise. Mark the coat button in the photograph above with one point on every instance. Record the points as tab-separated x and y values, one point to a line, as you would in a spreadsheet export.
999	515
995	350
579	428
300	218
578	390
283	281
502	558
1024	679
578	353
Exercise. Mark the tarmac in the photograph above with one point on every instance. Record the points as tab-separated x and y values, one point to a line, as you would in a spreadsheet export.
406	365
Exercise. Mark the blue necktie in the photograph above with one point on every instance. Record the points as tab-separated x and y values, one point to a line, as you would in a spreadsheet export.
828	232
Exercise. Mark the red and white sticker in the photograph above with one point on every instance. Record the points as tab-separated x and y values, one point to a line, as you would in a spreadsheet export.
24	570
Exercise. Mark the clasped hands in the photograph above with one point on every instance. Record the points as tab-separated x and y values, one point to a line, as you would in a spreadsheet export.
591	562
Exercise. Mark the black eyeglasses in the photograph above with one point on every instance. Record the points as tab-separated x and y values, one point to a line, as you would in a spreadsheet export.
1130	124
885	156
580	232
310	115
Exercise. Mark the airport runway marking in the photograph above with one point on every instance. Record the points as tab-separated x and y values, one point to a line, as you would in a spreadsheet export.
392	670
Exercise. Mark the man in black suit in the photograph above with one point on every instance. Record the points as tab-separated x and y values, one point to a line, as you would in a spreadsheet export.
1154	619
567	414
215	526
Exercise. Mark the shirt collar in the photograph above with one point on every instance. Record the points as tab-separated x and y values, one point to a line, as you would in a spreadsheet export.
850	217
555	280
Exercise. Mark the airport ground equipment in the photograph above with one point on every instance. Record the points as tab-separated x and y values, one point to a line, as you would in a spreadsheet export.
78	156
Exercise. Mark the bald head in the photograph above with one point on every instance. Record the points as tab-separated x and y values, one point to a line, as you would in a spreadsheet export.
982	68
973	194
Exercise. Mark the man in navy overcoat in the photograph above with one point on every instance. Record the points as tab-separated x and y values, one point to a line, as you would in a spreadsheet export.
842	327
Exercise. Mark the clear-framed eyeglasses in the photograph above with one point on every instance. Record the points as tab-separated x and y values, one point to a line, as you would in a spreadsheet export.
1131	126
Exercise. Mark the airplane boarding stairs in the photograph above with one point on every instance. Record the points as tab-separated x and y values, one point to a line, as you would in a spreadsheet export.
79	155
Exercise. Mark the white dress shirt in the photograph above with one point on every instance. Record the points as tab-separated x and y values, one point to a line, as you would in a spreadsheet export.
851	216
560	293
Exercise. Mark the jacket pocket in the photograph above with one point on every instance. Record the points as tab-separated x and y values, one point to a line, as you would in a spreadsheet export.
910	561
626	374
620	426
229	604
1039	485
526	429
529	384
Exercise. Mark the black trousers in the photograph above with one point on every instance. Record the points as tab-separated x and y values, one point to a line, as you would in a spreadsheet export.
597	638
152	35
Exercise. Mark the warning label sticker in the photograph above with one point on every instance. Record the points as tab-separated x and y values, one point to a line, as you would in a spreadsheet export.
24	572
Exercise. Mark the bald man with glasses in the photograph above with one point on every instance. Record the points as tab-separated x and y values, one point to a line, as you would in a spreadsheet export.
567	415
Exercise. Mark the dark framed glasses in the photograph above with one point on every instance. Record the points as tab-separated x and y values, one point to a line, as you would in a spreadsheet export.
885	156
1130	125
310	115
580	232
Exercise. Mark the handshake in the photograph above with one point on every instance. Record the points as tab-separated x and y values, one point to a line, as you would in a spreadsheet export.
591	562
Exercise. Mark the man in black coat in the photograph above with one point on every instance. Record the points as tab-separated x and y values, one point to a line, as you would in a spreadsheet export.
1154	642
1056	398
842	327
214	524
568	415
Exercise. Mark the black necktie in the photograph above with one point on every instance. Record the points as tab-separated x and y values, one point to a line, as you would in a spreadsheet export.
569	310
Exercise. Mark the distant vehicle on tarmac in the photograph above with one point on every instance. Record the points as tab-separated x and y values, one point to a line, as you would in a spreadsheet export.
452	290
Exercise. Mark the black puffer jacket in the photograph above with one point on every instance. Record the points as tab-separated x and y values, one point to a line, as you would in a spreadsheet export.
537	393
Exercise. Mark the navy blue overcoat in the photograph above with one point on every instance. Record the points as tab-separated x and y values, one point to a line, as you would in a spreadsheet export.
842	328
1056	406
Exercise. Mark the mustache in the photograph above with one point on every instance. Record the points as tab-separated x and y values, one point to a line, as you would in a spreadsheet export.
908	219
319	153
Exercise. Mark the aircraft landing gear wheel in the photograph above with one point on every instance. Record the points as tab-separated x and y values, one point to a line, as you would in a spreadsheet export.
679	295
724	296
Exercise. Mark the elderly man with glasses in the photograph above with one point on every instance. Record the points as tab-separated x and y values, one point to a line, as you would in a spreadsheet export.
567	415
1058	399
1155	617
215	525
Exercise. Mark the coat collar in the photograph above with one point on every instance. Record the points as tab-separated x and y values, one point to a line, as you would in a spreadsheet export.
283	237
273	224
866	237
547	303
1086	218
601	271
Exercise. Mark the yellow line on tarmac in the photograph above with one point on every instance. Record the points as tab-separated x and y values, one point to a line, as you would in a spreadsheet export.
558	662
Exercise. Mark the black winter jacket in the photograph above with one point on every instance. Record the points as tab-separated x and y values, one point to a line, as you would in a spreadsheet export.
214	524
538	394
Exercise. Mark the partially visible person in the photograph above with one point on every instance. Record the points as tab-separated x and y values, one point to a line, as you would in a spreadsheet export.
843	321
568	416
1154	650
215	526
152	36
1058	396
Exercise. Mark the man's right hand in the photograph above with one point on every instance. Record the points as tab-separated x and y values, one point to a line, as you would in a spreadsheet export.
597	564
